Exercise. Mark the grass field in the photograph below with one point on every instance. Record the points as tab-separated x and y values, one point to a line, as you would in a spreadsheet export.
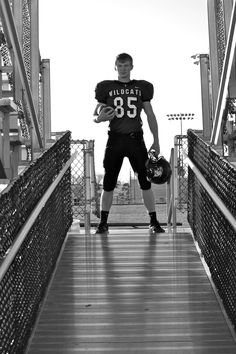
138	214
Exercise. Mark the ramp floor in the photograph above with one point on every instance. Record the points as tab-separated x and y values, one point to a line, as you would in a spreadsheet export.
131	293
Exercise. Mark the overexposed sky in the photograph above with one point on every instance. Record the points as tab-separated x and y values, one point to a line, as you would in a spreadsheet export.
82	39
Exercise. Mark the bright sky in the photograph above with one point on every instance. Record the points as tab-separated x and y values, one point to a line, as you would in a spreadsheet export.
82	38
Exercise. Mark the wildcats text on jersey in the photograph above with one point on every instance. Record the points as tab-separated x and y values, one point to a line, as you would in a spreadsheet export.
126	91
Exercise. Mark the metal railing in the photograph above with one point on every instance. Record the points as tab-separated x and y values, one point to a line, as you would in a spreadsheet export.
228	215
11	253
10	31
211	211
35	215
24	79
212	215
225	77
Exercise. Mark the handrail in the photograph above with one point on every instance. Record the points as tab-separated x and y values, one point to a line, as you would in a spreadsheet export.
211	192
223	89
11	32
6	262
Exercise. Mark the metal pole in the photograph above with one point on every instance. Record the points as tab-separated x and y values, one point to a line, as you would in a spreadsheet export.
46	99
175	183
93	177
180	117
12	37
169	191
205	93
224	80
87	188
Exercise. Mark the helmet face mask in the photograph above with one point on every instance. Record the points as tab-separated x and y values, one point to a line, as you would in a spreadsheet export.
158	172
158	169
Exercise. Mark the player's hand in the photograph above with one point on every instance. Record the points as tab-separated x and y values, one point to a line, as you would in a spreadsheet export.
106	114
155	146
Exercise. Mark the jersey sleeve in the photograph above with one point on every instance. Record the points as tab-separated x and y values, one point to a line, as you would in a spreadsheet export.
100	92
147	91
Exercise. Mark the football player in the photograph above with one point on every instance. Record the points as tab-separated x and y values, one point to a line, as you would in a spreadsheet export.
120	102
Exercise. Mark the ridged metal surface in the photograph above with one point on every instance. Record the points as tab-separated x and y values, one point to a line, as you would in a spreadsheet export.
131	293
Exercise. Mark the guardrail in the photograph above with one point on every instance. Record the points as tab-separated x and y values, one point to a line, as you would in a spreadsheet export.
11	253
35	215
228	215
212	215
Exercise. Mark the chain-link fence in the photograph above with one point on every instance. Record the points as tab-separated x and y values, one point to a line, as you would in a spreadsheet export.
83	180
31	237
211	228
78	179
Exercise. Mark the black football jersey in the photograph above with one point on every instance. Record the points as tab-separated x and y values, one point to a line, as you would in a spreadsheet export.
127	100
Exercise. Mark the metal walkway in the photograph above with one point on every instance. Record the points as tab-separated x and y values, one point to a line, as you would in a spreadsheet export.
131	293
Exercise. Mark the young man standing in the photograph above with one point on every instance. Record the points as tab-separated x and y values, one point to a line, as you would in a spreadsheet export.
126	99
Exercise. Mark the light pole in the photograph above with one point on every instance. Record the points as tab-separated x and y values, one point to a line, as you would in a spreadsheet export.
206	92
180	163
181	117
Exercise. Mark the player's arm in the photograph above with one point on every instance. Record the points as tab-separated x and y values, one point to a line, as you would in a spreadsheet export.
98	109
153	126
103	113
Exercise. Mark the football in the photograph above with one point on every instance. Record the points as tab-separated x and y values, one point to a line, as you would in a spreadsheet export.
107	109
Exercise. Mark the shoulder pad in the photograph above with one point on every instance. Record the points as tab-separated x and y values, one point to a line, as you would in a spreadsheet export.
101	90
147	90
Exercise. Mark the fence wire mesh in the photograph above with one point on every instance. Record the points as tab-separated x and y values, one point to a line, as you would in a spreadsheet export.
79	174
23	286
220	33
78	179
213	232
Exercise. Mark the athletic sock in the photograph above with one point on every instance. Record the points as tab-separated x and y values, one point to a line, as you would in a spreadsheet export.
104	216
153	217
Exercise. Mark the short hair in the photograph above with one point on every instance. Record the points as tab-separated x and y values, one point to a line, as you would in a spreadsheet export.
124	57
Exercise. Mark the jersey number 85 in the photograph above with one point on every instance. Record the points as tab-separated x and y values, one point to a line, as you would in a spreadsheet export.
120	110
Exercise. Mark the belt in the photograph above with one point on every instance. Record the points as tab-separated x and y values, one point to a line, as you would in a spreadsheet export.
132	135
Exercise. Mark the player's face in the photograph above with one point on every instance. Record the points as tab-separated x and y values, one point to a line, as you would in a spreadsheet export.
124	68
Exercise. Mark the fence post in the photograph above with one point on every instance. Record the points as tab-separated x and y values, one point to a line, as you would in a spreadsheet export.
175	183
169	191
6	106
46	101
93	177
87	215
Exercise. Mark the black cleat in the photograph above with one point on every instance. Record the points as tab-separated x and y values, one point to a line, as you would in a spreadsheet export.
156	228
102	228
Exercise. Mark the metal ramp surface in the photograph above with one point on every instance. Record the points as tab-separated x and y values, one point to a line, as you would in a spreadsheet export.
131	293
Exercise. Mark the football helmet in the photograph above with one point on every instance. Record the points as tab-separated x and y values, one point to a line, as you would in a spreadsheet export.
158	168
